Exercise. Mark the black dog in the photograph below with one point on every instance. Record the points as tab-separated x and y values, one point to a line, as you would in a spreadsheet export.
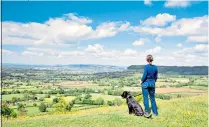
133	106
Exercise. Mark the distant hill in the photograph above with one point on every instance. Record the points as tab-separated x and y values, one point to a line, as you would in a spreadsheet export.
183	70
68	67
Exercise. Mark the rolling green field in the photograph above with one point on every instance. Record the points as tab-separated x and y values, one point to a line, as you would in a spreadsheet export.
94	99
183	112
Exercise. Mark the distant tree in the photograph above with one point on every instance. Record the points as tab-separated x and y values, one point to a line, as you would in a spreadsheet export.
69	106
34	104
22	109
117	102
41	99
99	101
7	112
42	107
47	96
26	97
14	100
110	103
55	100
14	114
61	106
88	96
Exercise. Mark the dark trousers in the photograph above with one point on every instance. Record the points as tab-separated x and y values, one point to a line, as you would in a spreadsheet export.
149	90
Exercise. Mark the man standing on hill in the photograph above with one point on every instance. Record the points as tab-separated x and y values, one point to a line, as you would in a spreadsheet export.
149	78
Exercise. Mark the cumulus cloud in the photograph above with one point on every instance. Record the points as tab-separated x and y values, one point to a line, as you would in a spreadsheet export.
92	51
201	47
179	45
96	48
130	52
29	53
69	28
196	26
197	38
81	20
159	20
7	52
199	50
148	2
154	50
177	3
138	43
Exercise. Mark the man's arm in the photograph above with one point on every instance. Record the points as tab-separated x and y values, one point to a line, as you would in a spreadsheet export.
144	75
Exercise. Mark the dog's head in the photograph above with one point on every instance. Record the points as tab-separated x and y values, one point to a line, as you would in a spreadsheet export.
126	94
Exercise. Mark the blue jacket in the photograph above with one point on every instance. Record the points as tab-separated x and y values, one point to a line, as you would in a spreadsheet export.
150	74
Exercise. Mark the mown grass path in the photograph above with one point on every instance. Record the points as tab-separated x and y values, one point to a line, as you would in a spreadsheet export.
184	112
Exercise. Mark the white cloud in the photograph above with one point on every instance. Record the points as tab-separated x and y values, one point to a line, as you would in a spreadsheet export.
139	42
179	45
67	29
198	38
158	39
177	3
130	52
82	20
28	53
200	50
197	26
7	52
190	56
154	50
124	26
187	26
96	48
147	30
147	2
201	47
159	20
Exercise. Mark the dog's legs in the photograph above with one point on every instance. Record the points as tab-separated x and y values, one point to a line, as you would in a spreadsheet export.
130	110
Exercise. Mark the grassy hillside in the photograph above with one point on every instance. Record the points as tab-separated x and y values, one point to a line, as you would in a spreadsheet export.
184	112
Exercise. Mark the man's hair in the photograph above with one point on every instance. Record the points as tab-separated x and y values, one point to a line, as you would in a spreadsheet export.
149	58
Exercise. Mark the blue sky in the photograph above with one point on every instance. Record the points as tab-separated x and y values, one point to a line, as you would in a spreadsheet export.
114	33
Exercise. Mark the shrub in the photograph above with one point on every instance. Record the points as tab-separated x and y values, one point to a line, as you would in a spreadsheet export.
163	97
14	114
138	98
110	103
55	100
179	95
21	109
99	101
88	96
6	111
34	104
87	101
117	102
41	99
47	96
42	107
69	106
61	106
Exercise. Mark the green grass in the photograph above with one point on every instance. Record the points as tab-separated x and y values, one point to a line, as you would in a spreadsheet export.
197	87
31	111
105	97
10	96
183	94
184	112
